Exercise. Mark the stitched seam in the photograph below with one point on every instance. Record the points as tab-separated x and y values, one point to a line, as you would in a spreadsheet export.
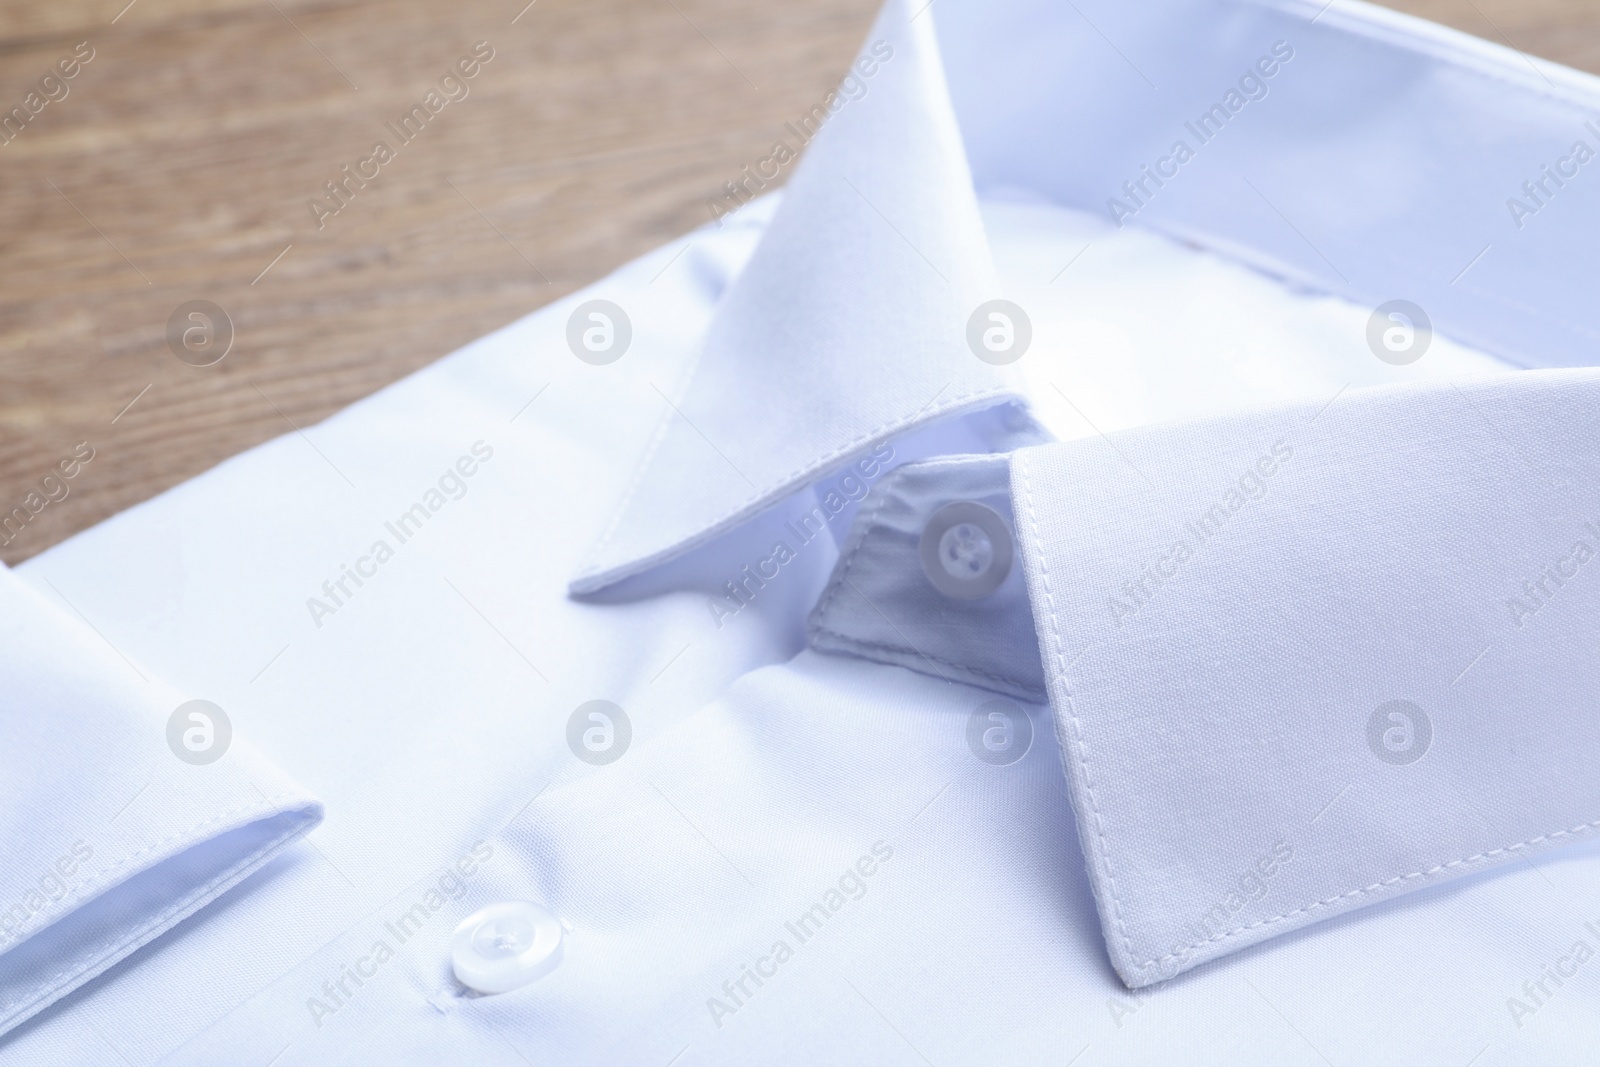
1059	653
1446	52
881	646
202	894
1157	961
76	897
814	466
868	522
1489	854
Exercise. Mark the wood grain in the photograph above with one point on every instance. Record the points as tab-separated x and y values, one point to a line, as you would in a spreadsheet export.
179	164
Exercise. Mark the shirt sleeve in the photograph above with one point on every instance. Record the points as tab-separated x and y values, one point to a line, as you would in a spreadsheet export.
127	805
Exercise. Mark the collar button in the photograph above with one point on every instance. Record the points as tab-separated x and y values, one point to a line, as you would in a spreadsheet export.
966	550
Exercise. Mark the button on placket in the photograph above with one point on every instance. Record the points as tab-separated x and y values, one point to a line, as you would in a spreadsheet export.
966	550
505	946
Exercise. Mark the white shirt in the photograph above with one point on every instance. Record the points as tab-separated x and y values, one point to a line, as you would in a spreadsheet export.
1272	744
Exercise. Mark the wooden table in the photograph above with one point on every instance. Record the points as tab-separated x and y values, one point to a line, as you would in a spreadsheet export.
179	164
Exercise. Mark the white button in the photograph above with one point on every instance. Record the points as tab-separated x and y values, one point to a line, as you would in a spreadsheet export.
505	946
966	550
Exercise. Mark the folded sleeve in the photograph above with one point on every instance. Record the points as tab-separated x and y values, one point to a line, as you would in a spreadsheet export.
127	805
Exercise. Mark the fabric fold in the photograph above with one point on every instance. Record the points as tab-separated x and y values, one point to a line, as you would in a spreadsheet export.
849	324
127	807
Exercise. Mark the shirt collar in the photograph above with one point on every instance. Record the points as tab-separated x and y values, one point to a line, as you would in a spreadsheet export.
1283	662
1233	749
848	326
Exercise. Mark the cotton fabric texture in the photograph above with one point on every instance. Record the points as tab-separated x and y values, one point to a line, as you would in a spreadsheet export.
1314	791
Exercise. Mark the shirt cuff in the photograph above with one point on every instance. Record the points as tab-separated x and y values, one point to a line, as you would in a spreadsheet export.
113	834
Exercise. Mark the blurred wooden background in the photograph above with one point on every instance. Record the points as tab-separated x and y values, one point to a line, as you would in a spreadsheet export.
179	164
